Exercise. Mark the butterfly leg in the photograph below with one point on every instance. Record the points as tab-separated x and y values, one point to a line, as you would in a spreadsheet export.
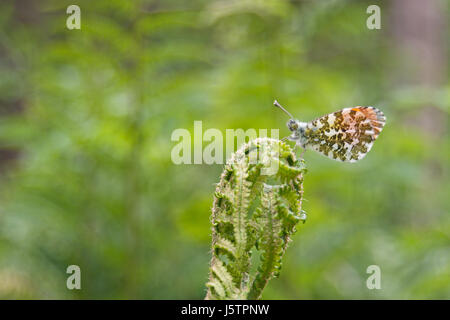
301	154
303	150
296	145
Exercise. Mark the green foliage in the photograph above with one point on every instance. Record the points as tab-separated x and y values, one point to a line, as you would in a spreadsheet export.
255	208
86	118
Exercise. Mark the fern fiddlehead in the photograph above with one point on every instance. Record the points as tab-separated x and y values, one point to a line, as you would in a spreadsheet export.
257	205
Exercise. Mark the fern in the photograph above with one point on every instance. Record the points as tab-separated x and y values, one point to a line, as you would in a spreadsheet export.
257	205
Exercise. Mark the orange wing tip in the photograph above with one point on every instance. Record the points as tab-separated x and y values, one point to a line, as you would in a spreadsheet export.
374	113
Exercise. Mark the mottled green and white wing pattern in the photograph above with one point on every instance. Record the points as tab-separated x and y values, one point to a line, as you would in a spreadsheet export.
345	135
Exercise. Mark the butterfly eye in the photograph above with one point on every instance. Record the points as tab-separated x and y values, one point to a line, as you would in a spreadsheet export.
292	125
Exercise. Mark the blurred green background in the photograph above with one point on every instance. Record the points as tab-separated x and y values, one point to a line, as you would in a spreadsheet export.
86	118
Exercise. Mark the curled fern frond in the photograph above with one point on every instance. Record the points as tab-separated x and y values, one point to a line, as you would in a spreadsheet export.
257	205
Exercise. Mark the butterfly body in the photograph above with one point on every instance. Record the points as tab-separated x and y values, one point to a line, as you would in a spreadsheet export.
345	135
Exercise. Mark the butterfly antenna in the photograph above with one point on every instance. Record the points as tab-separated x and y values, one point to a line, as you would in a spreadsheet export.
276	104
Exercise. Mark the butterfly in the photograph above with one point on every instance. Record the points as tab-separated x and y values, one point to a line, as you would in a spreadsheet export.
345	135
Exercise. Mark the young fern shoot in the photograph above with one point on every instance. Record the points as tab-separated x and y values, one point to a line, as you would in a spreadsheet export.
255	209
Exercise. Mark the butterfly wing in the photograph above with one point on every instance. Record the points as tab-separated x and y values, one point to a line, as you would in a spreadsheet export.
345	135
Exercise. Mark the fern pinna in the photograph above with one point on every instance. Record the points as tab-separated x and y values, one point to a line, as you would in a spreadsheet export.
257	205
